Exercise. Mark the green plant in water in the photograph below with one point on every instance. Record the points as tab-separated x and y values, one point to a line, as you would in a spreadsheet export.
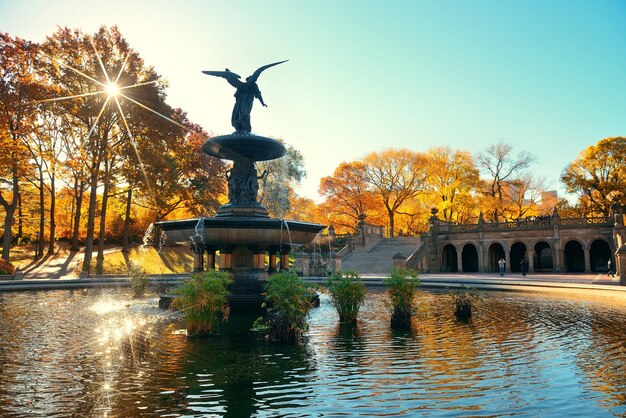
203	301
402	285
463	304
288	300
138	280
347	294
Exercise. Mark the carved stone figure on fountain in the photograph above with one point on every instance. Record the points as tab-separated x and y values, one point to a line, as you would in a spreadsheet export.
244	96
243	184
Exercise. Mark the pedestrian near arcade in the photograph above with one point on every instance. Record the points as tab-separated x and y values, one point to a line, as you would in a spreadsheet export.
501	265
611	269
523	267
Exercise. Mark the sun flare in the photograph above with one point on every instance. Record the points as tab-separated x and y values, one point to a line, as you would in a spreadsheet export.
112	89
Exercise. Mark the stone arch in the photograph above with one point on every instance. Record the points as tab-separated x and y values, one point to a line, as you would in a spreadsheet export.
495	252
574	257
469	258
599	255
449	260
542	257
517	254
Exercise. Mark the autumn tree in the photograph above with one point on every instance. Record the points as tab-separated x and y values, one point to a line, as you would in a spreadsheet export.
306	210
88	69
206	175
394	176
347	195
279	178
177	174
598	175
453	182
523	196
501	167
19	89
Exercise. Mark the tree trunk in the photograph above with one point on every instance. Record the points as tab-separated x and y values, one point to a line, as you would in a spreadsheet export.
8	221
52	214
391	224
20	218
42	218
78	196
9	209
91	220
125	247
103	218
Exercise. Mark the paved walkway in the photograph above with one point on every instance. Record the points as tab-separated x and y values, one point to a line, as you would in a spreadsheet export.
57	272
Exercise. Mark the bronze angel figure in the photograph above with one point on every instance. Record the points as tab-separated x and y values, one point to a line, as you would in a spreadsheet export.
244	96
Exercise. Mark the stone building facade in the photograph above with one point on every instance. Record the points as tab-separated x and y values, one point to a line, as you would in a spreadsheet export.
543	244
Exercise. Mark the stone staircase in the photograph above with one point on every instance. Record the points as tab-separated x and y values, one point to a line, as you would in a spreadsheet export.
378	260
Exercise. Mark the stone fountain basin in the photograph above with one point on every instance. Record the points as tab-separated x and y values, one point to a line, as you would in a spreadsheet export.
244	145
261	232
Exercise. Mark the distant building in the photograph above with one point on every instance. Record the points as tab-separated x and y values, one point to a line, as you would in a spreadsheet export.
549	199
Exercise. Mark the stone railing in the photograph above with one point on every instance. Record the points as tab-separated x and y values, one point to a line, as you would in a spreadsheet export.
595	221
414	259
347	249
527	224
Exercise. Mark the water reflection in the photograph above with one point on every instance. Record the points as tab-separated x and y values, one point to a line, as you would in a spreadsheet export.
98	353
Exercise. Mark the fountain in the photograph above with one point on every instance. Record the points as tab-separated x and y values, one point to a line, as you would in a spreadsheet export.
242	230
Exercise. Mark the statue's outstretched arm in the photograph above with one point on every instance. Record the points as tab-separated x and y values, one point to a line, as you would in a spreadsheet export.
257	94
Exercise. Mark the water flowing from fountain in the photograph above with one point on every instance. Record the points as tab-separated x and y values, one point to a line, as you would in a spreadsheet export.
148	238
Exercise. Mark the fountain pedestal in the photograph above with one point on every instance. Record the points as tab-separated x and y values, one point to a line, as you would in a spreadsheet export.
242	231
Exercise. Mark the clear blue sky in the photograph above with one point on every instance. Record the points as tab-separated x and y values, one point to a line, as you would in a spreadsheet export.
544	76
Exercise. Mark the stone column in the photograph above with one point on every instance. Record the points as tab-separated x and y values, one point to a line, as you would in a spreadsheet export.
507	258
226	259
459	260
284	257
620	260
481	246
198	257
258	259
335	263
271	268
557	251
619	230
399	261
530	255
210	258
587	260
434	255
559	259
481	257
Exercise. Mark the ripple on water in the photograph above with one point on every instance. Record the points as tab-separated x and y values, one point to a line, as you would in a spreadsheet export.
97	352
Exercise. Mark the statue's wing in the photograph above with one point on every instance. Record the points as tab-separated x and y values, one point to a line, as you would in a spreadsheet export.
253	78
232	78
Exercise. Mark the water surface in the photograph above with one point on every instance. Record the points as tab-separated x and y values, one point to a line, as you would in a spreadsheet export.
97	353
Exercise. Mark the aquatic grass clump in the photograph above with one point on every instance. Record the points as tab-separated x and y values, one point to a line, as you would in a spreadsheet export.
6	267
138	280
347	294
203	301
402	285
463	304
288	300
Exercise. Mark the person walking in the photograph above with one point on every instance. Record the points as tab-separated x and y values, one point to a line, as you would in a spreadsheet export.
611	270
501	265
523	266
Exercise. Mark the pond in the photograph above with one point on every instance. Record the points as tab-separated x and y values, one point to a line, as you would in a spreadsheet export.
97	353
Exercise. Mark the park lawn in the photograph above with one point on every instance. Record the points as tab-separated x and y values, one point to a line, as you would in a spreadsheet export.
23	255
168	260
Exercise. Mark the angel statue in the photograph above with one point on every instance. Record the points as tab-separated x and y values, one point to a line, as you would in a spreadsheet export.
244	96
